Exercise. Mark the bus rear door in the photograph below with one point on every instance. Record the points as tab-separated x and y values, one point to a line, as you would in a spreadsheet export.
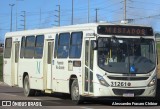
15	59
49	43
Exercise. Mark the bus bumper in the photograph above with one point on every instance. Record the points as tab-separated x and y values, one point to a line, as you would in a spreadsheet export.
125	92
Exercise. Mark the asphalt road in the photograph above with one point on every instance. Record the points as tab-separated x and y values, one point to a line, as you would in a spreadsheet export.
55	101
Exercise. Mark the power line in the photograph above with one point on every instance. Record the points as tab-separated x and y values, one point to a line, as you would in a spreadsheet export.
51	12
147	2
83	10
97	5
142	8
141	18
113	4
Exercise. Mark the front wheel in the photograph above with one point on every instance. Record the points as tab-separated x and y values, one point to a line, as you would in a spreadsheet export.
75	92
26	86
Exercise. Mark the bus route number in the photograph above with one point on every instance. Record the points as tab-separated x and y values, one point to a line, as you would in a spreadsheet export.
119	84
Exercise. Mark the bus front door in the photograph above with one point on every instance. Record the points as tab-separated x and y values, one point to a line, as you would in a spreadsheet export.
89	57
15	59
48	68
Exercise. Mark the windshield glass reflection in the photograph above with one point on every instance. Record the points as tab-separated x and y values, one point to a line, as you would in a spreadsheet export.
126	55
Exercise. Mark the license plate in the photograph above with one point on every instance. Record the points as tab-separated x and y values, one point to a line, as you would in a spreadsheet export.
128	95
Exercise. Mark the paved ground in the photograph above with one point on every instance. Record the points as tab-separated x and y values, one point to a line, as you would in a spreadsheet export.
57	101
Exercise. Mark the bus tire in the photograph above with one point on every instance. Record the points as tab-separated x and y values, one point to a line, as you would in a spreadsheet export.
26	85
75	92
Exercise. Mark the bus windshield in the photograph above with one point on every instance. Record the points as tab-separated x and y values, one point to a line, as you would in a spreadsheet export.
126	55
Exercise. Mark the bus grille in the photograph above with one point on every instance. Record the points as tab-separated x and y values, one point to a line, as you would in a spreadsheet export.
122	91
128	78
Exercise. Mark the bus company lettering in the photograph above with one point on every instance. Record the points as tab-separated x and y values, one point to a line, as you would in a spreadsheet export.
60	65
126	31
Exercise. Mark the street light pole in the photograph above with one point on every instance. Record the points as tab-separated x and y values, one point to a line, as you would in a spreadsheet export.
11	5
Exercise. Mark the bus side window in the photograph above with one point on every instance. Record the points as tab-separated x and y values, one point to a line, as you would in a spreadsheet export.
56	46
8	47
63	45
22	47
30	45
38	53
75	45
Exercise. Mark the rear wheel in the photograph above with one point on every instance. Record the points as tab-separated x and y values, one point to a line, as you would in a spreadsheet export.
26	86
75	92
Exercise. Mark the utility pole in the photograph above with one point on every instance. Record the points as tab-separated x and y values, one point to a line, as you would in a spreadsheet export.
124	10
96	14
24	21
59	18
72	11
88	9
11	5
16	13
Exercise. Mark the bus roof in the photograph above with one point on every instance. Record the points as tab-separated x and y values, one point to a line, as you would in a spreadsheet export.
77	27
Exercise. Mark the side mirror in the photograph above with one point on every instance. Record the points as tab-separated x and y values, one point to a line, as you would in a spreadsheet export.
95	45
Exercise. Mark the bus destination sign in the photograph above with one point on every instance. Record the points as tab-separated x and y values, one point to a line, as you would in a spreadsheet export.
124	30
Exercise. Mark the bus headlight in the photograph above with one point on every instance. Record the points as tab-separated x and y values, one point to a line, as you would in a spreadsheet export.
102	80
153	81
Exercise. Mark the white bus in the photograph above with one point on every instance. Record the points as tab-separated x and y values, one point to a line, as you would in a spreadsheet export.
87	60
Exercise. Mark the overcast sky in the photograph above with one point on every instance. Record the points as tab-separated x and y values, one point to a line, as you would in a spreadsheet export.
41	13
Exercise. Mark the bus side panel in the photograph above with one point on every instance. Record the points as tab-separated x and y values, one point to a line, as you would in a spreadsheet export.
20	72
7	63
37	75
61	75
54	76
78	72
34	69
7	71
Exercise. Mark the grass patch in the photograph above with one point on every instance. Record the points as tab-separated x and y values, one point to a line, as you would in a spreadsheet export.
1	68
